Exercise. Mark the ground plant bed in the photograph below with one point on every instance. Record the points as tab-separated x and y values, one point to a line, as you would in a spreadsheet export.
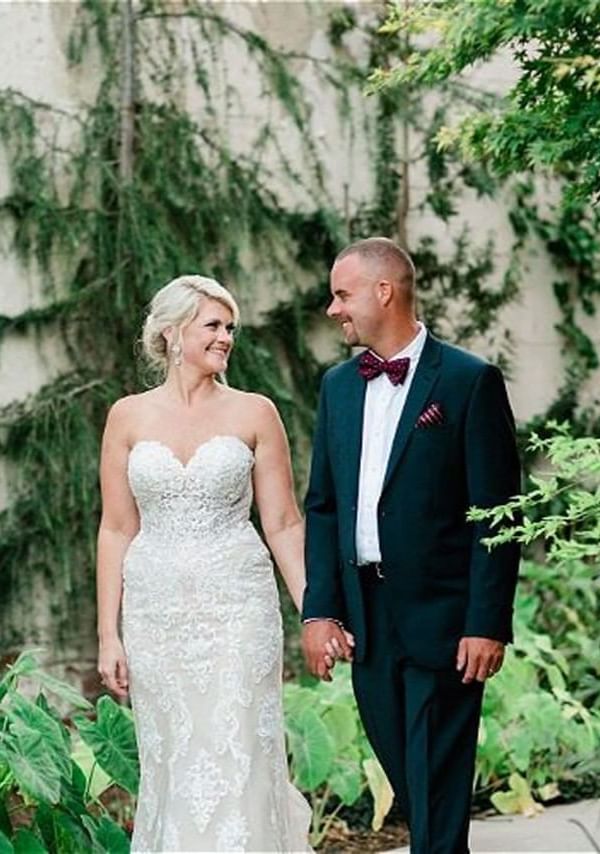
343	840
352	832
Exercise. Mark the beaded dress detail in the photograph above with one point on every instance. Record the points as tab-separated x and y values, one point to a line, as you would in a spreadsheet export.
203	637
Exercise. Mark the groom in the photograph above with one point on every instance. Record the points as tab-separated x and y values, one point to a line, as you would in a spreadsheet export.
410	434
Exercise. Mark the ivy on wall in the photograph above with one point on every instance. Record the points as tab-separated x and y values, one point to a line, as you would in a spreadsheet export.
569	233
145	190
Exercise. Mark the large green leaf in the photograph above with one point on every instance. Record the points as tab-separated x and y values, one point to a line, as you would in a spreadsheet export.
492	756
346	776
61	832
72	795
61	689
27	665
112	738
75	832
32	765
6	778
312	750
26	842
53	712
366	750
5	824
339	690
107	835
25	715
341	721
6	846
522	743
297	698
46	819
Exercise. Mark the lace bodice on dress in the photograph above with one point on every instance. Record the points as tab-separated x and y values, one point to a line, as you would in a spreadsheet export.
203	638
208	496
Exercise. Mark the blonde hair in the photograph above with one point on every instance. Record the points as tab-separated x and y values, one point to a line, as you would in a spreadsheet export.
176	304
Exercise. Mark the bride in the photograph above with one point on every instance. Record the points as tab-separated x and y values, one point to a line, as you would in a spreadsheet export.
180	561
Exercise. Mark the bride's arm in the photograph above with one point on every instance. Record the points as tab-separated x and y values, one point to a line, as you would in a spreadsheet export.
280	518
118	525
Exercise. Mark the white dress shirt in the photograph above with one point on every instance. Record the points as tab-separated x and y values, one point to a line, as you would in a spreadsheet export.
384	403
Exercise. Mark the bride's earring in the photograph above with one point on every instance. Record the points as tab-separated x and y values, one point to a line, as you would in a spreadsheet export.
176	351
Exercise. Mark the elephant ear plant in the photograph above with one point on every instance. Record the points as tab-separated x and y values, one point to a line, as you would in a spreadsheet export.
331	760
54	769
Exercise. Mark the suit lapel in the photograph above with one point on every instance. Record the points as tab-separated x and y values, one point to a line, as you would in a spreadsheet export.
422	383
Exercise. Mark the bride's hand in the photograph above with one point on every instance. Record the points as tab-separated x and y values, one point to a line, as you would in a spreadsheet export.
334	651
349	638
112	667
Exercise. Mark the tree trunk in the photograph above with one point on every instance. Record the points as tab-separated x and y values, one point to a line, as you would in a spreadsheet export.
404	195
403	207
127	110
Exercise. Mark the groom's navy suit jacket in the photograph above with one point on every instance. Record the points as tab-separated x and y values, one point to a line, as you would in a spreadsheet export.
442	582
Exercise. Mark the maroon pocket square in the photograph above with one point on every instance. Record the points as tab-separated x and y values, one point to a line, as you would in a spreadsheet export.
432	414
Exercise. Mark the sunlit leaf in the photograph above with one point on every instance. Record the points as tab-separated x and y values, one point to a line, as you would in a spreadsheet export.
112	738
383	794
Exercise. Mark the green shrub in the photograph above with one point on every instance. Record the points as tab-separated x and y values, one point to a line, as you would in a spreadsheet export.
331	760
541	724
532	725
52	772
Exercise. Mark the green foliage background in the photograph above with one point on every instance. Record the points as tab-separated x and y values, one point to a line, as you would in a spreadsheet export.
541	724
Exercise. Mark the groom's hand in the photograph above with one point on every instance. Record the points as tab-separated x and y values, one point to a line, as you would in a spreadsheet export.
480	658
319	637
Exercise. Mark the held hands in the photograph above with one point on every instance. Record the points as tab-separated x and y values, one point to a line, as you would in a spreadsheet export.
323	642
112	667
480	658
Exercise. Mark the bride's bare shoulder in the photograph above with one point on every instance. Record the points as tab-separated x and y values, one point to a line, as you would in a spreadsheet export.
257	405
130	408
258	414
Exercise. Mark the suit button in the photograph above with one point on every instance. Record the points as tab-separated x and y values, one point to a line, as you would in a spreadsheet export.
383	513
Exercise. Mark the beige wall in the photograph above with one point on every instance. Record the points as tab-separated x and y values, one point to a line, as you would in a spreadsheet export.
33	38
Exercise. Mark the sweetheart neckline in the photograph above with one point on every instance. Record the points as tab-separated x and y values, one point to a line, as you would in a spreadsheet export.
201	445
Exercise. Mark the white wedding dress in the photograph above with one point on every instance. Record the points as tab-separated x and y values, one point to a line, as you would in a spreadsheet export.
203	638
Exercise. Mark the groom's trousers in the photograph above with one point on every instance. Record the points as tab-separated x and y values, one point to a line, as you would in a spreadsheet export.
423	727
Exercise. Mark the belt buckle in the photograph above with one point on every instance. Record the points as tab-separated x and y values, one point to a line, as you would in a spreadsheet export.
379	571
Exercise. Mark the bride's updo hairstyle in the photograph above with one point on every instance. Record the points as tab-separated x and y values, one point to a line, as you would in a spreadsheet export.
175	305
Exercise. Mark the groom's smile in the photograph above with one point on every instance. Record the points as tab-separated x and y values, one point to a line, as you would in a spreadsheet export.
353	300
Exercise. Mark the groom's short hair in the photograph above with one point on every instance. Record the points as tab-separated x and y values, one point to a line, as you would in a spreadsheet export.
384	251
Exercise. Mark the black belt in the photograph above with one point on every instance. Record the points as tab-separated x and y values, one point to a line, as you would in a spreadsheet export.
372	572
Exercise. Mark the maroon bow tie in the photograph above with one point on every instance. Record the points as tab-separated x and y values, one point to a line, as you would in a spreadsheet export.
369	367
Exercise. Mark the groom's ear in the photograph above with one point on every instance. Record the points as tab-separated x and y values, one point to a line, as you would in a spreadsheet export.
385	292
